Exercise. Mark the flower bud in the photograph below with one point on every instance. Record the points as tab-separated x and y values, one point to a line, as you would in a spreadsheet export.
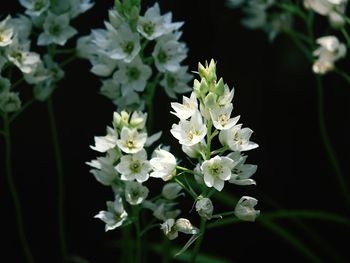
171	190
244	209
210	100
205	207
220	87
120	120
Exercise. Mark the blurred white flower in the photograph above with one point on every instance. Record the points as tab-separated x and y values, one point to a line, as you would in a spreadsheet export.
9	102
5	85
152	25
328	53
334	9
22	26
78	7
133	76
105	143
6	32
176	82
135	193
35	7
171	190
216	171
56	30
115	214
244	209
134	167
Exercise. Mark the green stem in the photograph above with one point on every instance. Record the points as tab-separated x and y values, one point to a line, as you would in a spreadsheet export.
327	143
184	169
208	152
199	241
136	212
60	179
11	184
150	90
185	188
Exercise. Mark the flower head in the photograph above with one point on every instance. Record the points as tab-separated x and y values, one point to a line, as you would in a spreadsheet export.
131	141
163	165
244	209
237	138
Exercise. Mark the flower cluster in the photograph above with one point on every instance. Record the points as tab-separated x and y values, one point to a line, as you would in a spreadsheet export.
122	55
126	168
51	19
260	14
203	116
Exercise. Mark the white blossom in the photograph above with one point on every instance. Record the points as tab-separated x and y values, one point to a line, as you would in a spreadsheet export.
78	7
131	141
105	143
171	227
110	88
163	165
134	166
237	139
176	82
190	132
56	30
10	102
188	107
241	171
152	25
35	7
204	207
133	76
23	27
244	209
135	193
221	117
168	54
6	32
171	190
328	53
216	171
115	214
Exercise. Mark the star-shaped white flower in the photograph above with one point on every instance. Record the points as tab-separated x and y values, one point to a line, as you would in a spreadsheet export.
241	171
190	132
6	32
221	117
134	167
237	139
188	107
216	171
135	193
105	143
131	141
115	214
176	82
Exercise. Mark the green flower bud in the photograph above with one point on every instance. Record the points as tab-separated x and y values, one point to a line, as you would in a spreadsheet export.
204	88
202	71
212	71
120	120
210	100
220	87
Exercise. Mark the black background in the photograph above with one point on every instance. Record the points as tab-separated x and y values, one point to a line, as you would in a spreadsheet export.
275	94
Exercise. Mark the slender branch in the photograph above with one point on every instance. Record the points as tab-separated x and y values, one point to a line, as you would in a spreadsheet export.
210	125
327	143
199	241
185	188
60	179
184	169
13	190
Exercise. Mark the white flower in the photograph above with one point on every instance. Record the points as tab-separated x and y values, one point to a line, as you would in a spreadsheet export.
120	44
105	143
216	171
162	209
171	227
20	55
194	151
23	27
110	88
138	120
78	7
227	97
205	208
241	172
135	193
131	141
168	54
328	53
86	48
38	75
188	107
244	209
164	165
176	82
152	25
190	132
6	32
134	166
10	102
56	30
237	139
334	9
131	101
102	65
221	117
171	190
115	214
35	7
257	17
132	76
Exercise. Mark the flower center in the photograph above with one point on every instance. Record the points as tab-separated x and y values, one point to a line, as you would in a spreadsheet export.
55	30
135	166
162	57
17	55
148	28
215	169
38	5
133	73
193	133
130	143
223	119
170	80
128	47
